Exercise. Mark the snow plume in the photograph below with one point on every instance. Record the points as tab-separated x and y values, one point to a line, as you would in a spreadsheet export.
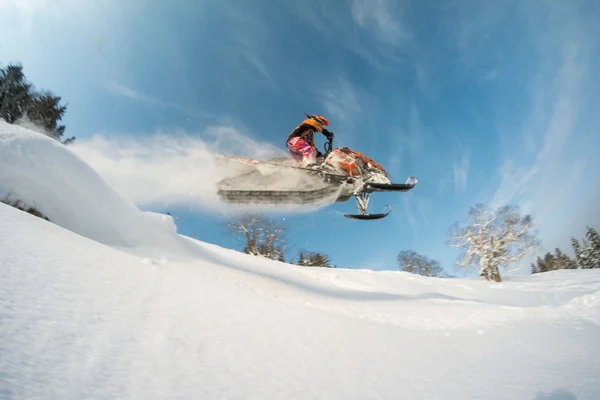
37	171
172	168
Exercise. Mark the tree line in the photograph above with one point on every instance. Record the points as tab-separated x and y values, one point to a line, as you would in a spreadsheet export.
493	239
22	104
586	255
267	237
489	240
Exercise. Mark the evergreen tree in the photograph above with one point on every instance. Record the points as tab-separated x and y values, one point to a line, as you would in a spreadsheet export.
20	103
593	247
313	259
586	259
562	260
550	262
318	260
45	110
15	93
534	268
541	266
577	250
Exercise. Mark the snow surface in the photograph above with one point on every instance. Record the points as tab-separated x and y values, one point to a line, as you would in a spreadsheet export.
109	302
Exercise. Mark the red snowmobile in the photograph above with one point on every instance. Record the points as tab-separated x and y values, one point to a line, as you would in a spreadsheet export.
342	173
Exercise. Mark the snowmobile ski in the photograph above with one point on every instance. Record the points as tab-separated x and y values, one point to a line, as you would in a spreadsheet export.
389	187
383	214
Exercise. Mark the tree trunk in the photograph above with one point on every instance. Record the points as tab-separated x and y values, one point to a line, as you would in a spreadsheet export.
495	273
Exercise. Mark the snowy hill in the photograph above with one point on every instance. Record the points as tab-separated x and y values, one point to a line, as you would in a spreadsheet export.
109	302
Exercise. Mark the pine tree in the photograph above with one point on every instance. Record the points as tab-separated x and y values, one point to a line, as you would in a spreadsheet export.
563	261
45	110
541	265
549	262
20	103
593	247
324	261
301	260
578	253
15	93
318	260
313	259
586	259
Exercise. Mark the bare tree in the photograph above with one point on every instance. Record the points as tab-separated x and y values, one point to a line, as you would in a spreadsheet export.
413	262
493	239
261	235
273	239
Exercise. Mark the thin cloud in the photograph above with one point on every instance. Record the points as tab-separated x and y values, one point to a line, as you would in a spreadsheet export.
461	172
409	214
386	40
16	17
409	140
126	91
472	26
248	50
518	179
257	63
340	99
380	39
249	39
134	95
541	172
25	10
377	15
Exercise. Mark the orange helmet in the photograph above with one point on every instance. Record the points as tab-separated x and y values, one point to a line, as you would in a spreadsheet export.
322	121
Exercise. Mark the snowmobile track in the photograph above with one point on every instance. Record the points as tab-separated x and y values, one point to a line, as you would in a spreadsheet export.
276	196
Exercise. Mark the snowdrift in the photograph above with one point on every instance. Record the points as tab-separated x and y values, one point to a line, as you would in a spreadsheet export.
45	174
107	302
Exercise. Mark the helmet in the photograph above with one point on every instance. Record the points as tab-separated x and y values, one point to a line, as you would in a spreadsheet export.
322	121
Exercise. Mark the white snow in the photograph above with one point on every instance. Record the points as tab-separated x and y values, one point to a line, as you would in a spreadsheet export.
109	302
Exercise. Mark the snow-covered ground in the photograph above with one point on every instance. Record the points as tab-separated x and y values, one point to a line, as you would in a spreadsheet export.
109	302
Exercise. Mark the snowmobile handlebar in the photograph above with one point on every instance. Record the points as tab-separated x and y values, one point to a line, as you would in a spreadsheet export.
328	145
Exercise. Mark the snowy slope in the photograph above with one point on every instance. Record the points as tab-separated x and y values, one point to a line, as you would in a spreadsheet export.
119	306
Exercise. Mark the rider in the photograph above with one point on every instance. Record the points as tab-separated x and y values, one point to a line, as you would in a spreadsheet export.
300	142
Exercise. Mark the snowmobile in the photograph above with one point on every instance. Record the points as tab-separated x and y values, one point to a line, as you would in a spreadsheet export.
340	174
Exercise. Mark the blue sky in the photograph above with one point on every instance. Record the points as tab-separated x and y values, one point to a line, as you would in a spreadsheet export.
482	101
